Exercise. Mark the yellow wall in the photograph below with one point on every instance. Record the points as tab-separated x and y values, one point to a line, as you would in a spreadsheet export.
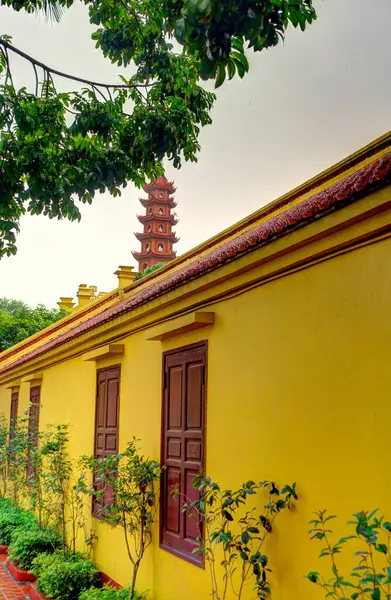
298	390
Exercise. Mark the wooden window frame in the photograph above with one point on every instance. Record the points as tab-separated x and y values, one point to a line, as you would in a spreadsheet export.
101	516
33	425
13	417
195	559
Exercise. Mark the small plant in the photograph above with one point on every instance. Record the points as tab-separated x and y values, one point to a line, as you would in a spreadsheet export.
235	537
124	492
55	471
109	593
26	544
149	270
11	518
48	474
370	579
76	510
4	457
18	454
64	577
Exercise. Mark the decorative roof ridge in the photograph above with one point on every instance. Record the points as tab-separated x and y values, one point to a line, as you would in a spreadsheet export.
152	234
161	182
155	254
372	176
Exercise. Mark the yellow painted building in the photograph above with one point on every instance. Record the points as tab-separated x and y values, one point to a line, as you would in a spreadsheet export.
282	326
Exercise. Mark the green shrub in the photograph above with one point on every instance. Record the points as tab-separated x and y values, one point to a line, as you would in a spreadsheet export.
5	504
149	270
27	544
109	593
64	577
12	517
45	560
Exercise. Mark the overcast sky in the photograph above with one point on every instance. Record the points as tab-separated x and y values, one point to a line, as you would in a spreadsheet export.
303	106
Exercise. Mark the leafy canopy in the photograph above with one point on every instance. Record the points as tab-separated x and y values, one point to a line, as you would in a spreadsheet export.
18	321
58	149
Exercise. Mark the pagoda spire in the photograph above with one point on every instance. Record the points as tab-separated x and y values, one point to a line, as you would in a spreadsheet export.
157	237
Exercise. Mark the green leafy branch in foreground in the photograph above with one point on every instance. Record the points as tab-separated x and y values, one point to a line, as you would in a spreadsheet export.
370	579
58	149
233	534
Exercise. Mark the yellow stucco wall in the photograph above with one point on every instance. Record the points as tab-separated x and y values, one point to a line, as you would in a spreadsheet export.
298	390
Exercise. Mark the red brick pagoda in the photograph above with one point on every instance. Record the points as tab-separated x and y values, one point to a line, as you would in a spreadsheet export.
157	238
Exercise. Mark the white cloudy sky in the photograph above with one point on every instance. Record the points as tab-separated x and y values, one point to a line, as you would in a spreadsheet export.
303	107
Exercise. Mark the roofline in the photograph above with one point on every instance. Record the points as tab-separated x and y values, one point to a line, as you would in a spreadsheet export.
155	185
374	147
148	201
152	217
161	235
360	183
153	254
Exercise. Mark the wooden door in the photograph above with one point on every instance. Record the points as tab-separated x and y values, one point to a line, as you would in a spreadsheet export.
183	447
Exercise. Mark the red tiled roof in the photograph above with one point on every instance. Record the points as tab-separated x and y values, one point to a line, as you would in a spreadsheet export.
373	176
161	182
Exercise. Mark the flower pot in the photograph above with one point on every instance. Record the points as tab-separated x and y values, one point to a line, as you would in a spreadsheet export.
19	574
35	594
108	581
3	549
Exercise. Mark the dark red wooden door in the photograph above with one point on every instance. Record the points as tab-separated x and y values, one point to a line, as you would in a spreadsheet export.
13	411
183	450
106	422
35	402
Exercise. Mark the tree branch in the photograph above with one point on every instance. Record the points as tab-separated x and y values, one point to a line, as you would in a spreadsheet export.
49	70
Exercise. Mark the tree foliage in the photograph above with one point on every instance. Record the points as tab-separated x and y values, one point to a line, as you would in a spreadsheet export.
18	321
58	149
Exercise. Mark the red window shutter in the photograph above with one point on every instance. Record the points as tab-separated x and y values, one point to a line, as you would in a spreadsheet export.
106	423
183	430
14	410
35	401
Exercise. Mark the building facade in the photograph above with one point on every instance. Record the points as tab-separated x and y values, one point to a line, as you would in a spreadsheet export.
262	354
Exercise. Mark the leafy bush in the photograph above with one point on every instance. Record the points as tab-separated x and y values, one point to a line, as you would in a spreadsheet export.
109	593
64	576
370	578
27	544
149	270
45	560
12	517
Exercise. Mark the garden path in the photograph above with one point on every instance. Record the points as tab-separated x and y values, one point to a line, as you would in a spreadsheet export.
9	588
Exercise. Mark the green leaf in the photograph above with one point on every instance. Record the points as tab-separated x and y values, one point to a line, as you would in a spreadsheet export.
220	75
231	68
245	537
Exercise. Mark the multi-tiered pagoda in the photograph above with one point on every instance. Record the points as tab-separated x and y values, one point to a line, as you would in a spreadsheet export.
157	239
